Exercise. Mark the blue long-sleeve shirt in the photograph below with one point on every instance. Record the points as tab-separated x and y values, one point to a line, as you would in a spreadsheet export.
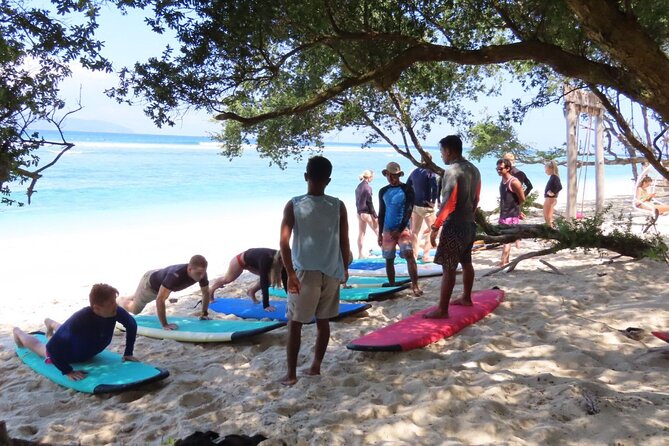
85	334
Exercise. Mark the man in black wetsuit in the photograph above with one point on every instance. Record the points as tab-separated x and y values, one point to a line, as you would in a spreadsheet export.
158	284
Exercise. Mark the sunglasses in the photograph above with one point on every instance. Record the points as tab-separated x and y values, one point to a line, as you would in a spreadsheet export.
499	169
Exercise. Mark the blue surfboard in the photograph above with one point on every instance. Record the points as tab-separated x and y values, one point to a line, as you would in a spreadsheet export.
105	372
192	329
353	294
245	308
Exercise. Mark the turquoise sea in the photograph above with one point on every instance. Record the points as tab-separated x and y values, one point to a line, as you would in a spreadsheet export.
109	178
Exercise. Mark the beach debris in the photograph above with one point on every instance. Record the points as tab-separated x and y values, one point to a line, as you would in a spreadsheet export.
589	402
554	269
211	438
6	441
634	333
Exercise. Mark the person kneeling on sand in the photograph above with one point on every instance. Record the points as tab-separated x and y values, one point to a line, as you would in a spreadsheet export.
266	263
85	334
158	284
318	224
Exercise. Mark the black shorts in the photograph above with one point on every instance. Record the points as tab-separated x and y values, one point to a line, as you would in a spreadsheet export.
455	245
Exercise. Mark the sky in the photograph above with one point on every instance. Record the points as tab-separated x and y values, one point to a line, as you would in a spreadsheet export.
127	39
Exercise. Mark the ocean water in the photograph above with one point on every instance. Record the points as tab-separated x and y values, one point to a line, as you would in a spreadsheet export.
111	179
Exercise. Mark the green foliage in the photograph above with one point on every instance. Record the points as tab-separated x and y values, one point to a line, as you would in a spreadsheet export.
36	50
589	233
347	59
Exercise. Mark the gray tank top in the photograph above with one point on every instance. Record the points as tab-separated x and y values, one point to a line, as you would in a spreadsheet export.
316	235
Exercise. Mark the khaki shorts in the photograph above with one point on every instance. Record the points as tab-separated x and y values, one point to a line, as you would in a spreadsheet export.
319	296
423	211
144	294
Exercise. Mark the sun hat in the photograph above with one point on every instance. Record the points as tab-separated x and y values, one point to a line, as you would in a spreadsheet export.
392	168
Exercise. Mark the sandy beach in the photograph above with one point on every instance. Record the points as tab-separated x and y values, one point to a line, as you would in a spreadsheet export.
548	367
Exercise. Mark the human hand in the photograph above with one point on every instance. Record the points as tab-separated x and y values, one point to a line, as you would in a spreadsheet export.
170	327
76	375
522	216
293	284
270	308
204	317
130	358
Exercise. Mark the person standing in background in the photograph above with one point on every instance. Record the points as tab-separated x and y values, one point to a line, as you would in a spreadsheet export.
425	185
511	197
553	187
365	207
395	205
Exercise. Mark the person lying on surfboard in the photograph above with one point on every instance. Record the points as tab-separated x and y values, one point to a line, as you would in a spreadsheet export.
266	263
158	285
84	334
460	190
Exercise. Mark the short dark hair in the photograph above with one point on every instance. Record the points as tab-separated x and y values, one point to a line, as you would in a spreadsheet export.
319	168
452	143
101	293
198	261
506	162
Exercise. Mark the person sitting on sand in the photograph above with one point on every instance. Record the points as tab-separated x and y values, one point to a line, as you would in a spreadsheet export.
158	284
315	264
644	199
85	334
266	263
395	208
460	190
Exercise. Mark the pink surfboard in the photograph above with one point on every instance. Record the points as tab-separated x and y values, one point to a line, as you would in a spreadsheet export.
416	331
664	335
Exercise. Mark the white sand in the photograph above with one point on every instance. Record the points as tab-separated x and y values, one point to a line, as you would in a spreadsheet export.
527	374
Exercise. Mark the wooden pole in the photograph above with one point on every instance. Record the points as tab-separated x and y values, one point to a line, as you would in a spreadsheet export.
571	116
599	162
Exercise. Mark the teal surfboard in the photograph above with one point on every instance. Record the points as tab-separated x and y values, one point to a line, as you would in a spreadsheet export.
374	282
105	372
353	294
192	329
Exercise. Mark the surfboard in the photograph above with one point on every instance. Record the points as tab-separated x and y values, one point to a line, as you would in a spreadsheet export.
353	294
246	309
416	331
192	329
401	270
374	282
664	335
106	372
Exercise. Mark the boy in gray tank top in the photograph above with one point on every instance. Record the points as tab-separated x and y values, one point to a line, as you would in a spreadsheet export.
318	224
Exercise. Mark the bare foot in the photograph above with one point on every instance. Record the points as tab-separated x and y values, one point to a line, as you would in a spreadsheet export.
252	296
417	291
312	371
48	323
288	381
436	314
462	301
17	340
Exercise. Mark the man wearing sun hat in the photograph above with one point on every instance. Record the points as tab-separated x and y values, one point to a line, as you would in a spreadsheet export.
395	207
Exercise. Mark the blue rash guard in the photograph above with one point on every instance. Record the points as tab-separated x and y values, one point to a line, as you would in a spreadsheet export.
85	334
395	207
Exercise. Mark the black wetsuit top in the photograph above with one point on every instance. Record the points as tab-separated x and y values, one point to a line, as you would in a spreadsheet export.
554	185
425	184
174	278
260	261
524	181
